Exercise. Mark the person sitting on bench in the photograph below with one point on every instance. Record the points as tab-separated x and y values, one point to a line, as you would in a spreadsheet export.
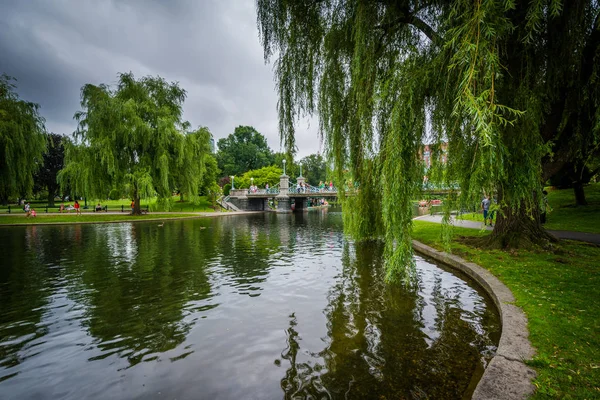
98	207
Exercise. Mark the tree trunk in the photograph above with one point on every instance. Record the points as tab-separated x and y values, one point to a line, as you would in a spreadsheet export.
137	207
517	229
579	194
51	194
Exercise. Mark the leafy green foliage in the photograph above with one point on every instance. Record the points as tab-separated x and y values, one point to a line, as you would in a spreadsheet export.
488	77
192	166
130	137
22	142
559	291
243	150
53	162
314	168
261	176
291	167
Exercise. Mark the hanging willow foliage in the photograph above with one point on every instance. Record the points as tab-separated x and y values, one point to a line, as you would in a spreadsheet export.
22	141
130	138
489	78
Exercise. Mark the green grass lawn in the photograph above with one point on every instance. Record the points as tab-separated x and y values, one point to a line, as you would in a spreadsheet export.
565	216
72	218
115	205
560	293
476	216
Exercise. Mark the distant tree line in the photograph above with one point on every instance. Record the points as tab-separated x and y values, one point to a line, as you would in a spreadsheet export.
131	142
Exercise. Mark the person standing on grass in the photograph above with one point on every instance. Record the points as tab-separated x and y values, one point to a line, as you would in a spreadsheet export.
485	206
545	207
77	211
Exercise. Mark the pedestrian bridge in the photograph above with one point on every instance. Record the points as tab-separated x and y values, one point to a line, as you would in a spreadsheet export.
284	195
287	193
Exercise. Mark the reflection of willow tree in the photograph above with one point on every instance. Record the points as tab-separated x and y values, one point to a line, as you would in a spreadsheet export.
24	290
247	245
312	227
291	382
140	278
377	346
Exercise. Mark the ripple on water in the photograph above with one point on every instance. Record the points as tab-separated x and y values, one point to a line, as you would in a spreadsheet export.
264	306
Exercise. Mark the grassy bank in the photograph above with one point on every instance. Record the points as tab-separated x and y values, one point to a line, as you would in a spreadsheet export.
560	293
565	216
203	205
85	218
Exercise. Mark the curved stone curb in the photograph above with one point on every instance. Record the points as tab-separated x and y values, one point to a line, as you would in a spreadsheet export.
506	376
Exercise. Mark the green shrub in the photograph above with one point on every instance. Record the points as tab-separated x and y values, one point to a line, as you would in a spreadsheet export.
226	189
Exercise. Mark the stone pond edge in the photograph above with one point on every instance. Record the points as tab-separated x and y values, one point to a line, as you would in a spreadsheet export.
506	375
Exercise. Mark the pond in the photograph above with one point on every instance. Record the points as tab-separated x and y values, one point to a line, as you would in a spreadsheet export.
262	306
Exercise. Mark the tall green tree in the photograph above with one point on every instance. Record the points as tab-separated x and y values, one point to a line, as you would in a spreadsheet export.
192	166
53	162
260	177
130	138
506	83
22	141
243	150
291	167
314	168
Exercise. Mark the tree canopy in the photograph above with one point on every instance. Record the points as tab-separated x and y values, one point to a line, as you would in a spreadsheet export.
131	137
314	168
243	150
261	176
512	86
22	141
192	165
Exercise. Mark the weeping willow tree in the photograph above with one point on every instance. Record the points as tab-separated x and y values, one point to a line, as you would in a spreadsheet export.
501	81
22	142
130	138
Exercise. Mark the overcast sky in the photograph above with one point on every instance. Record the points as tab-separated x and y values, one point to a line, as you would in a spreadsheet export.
210	47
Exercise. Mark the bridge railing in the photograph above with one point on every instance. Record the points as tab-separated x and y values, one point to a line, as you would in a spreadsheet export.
312	189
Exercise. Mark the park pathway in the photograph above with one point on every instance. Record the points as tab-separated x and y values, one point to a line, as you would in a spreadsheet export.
463	223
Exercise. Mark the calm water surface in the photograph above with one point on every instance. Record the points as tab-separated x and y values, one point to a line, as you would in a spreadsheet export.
242	307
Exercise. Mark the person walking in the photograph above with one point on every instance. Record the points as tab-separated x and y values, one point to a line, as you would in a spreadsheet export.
77	211
485	206
545	207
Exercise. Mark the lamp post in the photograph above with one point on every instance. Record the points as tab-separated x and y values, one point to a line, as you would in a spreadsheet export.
300	170
252	183
284	161
232	187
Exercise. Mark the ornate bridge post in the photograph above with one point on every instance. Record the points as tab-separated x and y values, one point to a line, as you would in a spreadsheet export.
301	202
239	198
283	199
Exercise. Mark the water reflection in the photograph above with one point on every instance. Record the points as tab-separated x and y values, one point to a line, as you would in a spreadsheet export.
265	306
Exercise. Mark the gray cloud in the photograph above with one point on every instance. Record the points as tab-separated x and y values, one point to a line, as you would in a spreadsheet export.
210	46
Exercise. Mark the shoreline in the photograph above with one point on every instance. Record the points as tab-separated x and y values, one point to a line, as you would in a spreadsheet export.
132	219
